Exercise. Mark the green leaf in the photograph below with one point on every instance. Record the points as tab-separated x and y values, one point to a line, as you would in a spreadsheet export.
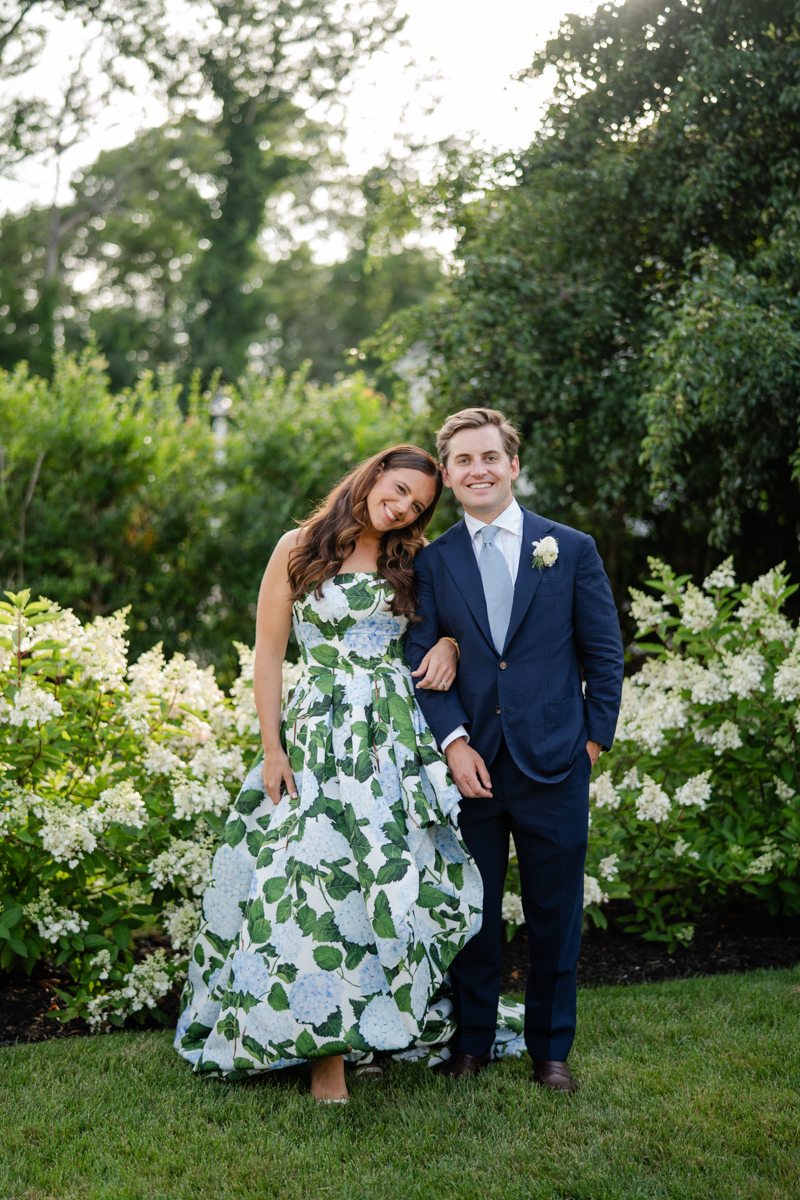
330	1028
306	1046
277	998
340	884
235	830
274	888
363	766
403	997
255	1048
392	871
355	955
260	930
328	656
455	873
95	941
122	935
326	929
352	1038
306	918
11	917
328	958
431	897
383	923
247	802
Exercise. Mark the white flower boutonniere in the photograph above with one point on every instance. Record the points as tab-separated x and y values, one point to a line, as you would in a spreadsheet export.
545	553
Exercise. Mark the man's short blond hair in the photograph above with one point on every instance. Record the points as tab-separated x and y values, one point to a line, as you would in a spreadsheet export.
476	418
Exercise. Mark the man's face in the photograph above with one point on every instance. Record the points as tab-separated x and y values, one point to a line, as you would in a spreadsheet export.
480	472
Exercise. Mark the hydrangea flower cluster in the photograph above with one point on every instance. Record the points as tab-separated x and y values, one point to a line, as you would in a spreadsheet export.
200	788
15	804
52	920
31	706
593	894
708	725
123	772
512	909
181	922
699	611
101	962
652	803
183	862
147	983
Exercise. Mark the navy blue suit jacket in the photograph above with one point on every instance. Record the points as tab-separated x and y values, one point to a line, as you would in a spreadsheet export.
563	620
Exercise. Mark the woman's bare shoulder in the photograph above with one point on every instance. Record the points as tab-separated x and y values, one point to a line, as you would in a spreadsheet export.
279	559
291	539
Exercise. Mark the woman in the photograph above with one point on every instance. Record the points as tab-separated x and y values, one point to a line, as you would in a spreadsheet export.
343	890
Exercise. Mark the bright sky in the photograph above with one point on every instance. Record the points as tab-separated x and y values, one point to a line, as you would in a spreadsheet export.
473	47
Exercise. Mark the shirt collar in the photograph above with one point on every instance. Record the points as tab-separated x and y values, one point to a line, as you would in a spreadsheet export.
510	519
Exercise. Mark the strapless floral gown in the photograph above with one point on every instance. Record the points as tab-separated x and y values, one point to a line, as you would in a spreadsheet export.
331	919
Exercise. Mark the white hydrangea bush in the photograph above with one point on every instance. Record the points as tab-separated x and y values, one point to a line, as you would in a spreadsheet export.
700	796
115	782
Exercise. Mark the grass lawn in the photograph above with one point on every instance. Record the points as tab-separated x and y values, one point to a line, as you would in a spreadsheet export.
690	1089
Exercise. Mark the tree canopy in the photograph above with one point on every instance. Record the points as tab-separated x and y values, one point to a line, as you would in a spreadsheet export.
628	288
165	234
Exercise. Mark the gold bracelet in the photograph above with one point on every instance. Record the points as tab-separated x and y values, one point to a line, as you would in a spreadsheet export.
455	643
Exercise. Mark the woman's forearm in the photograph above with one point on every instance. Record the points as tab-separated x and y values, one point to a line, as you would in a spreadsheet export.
267	686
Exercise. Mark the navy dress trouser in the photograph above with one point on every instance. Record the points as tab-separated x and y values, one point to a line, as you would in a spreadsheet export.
550	823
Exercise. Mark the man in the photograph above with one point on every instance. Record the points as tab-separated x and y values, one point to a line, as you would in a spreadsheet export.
530	606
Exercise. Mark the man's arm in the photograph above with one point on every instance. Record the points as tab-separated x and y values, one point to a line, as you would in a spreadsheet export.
443	710
599	646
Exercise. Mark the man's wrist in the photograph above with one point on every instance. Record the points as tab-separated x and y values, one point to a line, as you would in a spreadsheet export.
460	732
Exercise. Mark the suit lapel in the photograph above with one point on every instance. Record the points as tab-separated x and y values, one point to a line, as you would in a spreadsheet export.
459	558
534	528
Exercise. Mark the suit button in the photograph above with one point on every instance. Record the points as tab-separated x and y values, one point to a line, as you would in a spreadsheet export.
497	710
503	665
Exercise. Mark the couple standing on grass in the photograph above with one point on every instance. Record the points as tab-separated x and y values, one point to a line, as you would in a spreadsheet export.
354	905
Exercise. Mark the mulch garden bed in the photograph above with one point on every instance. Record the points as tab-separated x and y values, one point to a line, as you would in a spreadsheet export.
737	938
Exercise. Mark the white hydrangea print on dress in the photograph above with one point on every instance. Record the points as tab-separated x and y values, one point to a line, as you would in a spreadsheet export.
331	919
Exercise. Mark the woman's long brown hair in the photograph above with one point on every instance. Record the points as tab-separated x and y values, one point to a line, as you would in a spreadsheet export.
329	534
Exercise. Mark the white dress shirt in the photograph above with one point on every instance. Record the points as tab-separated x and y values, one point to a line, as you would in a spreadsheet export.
508	541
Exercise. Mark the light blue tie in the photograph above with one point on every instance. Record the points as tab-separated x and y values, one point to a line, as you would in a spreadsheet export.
497	587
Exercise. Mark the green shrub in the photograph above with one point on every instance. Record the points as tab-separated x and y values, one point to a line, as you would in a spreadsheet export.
698	799
110	500
114	788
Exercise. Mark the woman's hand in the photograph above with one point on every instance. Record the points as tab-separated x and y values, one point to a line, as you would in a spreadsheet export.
277	775
438	667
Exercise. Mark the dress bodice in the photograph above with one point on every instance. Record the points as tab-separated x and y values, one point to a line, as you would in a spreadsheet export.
351	628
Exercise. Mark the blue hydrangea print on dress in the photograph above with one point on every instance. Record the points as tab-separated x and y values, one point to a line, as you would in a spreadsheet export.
331	919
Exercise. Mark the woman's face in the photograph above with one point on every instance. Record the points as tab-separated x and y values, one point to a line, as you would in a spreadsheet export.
398	498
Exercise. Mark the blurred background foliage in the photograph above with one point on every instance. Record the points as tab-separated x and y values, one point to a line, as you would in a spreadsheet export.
110	499
626	289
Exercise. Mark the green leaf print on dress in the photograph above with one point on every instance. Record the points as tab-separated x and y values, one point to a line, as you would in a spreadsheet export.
331	918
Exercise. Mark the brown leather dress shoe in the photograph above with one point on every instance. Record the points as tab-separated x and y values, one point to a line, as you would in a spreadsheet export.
556	1076
461	1066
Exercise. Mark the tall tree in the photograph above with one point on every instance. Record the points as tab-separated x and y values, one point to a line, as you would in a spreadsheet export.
629	289
131	250
261	64
264	57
